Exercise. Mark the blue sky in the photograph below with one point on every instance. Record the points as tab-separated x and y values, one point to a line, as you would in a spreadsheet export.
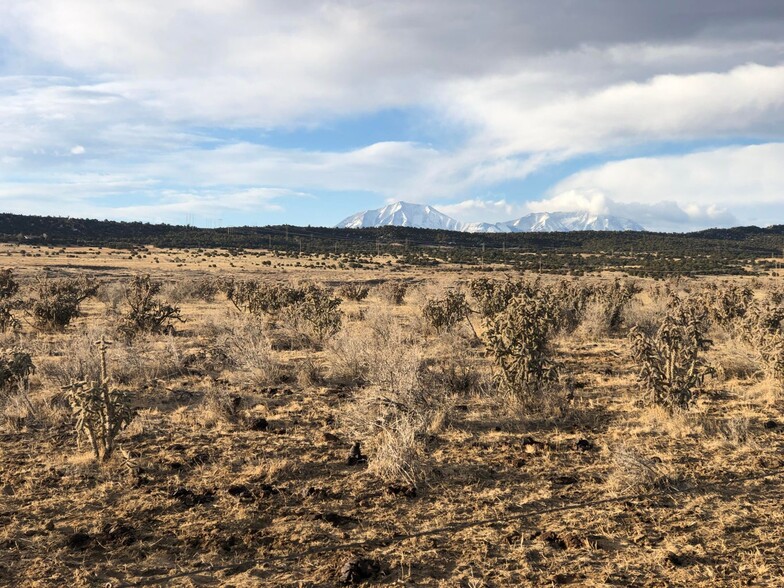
257	112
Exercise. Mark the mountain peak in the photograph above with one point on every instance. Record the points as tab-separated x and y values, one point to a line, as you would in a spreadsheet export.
423	216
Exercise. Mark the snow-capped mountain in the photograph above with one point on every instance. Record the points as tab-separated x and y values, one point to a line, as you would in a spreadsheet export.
403	214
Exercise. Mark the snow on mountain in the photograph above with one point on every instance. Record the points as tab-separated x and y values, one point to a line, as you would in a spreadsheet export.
570	221
403	214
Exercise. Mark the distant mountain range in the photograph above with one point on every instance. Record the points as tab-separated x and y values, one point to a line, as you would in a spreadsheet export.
405	214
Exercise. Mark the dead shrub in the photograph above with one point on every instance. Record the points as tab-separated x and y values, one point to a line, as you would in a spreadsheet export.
634	473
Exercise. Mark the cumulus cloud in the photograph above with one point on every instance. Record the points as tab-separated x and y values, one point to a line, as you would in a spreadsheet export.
148	91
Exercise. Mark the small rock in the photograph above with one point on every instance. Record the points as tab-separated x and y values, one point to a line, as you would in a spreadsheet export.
355	456
259	424
583	445
334	519
7	490
241	492
771	424
331	437
78	540
674	559
553	540
358	569
397	490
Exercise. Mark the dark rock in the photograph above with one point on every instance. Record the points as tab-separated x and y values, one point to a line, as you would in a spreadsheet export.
78	540
120	533
553	540
583	445
259	424
402	490
355	456
358	569
189	498
771	424
241	492
334	519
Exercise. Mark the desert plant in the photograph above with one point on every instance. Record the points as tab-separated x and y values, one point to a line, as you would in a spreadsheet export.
393	292
763	329
613	299
146	313
446	312
573	298
260	298
101	412
729	304
670	362
15	368
493	296
318	311
56	302
354	291
8	289
518	340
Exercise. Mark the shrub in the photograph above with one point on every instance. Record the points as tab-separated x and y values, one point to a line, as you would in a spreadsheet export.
573	300
670	362
100	411
8	289
259	298
493	296
57	302
147	314
15	368
444	313
316	313
393	292
762	330
729	304
354	291
612	300
519	343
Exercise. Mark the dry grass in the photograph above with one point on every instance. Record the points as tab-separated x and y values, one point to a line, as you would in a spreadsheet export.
238	455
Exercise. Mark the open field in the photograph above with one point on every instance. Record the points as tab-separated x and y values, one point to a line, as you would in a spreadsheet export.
239	467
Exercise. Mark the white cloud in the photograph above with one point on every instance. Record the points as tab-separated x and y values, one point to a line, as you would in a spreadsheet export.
142	86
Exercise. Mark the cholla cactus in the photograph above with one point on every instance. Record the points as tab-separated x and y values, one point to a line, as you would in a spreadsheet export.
57	302
320	311
354	291
519	342
393	292
101	412
8	289
671	365
729	304
446	312
763	330
573	298
259	298
15	368
493	296
615	297
146	313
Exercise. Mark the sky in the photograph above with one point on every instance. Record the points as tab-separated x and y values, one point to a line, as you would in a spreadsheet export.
251	112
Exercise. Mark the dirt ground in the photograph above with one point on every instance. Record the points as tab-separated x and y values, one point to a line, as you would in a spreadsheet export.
228	477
